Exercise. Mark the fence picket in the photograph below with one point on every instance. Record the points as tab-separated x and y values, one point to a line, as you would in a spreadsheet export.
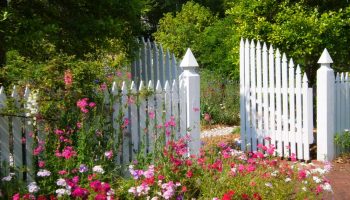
116	125
143	117
135	134
279	134
4	133
149	67
159	112
28	135
253	95
259	114
265	91
242	92
167	108
337	104
285	106
125	126
155	64
175	106
247	95
307	117
17	134
151	118
271	89
167	66
183	105
161	65
291	77
298	107
347	99
342	103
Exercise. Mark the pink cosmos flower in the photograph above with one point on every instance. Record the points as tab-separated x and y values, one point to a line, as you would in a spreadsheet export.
151	114
109	154
41	164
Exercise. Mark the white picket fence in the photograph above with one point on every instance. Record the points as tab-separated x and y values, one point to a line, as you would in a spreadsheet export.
153	63
177	99
276	102
333	107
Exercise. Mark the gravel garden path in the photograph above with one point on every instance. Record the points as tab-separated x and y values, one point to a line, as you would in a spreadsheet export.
339	176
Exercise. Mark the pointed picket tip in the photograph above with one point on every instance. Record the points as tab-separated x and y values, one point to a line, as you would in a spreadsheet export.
271	49
258	45
143	40
284	57
252	44
150	84
158	86
155	46
246	42
337	77
26	92
149	43
278	54
2	90
160	48
14	92
141	85
166	86
174	85
342	76
242	41
133	87
114	88
291	63
298	70
189	60
264	47
346	76
325	58
305	80
167	53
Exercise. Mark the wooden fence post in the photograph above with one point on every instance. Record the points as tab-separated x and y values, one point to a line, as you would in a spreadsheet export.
325	108
191	87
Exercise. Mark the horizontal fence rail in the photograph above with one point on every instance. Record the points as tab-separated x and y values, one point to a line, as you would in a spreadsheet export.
276	102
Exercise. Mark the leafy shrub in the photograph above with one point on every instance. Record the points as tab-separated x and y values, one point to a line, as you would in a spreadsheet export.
343	141
219	99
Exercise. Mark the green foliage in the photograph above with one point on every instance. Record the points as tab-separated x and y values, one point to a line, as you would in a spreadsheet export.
183	30
343	141
219	99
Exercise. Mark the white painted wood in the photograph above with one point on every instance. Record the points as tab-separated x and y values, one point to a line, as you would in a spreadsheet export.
253	95
29	139
168	75
151	118
175	106
126	131
307	118
159	131
342	103
150	61
143	117
155	65
134	121
161	65
279	135
242	93
183	107
291	77
347	100
116	125
4	130
167	109
337	104
17	134
191	80
325	109
272	111
259	114
248	142
298	107
285	112
265	91
175	73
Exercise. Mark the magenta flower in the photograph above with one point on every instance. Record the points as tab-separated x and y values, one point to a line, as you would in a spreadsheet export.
41	164
68	78
109	154
80	192
68	152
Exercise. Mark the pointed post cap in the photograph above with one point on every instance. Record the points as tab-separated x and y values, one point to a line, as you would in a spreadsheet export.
189	61
325	58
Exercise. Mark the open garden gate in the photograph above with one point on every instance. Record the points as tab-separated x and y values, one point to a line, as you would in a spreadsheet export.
276	102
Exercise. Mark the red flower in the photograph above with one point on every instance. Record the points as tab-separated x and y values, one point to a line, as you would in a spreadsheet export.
189	174
183	189
41	197
257	196
228	195
245	196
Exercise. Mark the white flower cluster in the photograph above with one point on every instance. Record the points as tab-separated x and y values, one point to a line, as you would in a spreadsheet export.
43	173
98	169
33	187
63	191
8	178
32	105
